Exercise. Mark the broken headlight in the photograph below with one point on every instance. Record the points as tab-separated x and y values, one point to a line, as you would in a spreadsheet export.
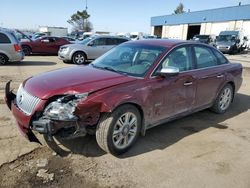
64	107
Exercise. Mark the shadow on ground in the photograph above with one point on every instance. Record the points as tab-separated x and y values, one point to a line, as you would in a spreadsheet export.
31	63
164	135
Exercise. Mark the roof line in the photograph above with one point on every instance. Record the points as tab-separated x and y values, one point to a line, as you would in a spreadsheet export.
202	10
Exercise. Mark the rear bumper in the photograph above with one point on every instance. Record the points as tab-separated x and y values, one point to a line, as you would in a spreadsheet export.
22	120
17	57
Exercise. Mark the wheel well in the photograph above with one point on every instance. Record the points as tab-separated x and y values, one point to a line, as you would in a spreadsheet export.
233	85
80	52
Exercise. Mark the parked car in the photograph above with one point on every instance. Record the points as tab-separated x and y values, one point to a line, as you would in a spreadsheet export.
133	87
230	41
10	49
70	39
43	45
207	39
88	49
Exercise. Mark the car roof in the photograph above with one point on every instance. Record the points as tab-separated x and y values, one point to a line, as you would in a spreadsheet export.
162	42
108	36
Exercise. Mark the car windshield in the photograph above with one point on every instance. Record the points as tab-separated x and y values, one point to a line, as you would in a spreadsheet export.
226	38
129	59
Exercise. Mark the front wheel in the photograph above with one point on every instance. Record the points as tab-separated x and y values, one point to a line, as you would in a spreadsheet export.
26	50
79	58
223	100
118	131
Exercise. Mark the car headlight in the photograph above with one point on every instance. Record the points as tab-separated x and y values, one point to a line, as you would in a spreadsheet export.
64	49
64	107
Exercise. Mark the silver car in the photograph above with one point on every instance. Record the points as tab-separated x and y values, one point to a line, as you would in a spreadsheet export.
88	49
10	49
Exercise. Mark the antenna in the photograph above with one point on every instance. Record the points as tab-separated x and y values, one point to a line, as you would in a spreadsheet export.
86	8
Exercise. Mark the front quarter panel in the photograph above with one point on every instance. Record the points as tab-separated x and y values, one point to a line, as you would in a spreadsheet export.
109	99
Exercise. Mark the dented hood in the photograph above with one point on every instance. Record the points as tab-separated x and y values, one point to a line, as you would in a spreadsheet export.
77	79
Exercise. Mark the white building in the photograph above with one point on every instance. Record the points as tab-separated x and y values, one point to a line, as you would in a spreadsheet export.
185	26
54	31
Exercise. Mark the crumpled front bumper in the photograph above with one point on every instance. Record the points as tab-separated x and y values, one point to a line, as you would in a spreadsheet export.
22	120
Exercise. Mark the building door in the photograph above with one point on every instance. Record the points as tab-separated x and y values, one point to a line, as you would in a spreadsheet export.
193	30
158	31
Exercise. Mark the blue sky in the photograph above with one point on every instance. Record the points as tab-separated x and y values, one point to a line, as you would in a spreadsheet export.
106	15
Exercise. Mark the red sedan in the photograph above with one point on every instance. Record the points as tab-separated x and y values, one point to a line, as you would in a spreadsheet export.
133	87
44	45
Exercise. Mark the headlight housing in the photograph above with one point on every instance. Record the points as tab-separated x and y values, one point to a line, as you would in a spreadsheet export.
64	107
64	49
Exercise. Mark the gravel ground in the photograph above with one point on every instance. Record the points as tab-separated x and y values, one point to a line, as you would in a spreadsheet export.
201	150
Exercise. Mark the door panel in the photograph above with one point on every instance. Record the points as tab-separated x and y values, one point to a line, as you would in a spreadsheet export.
210	76
172	96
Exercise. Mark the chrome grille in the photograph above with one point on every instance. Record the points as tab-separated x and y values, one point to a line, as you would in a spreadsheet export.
25	101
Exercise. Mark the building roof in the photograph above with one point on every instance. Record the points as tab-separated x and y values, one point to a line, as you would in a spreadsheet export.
213	15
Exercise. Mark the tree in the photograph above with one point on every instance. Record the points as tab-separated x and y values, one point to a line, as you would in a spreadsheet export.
79	21
179	9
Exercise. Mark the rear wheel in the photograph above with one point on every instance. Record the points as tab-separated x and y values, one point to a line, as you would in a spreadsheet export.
118	131
79	58
3	59
26	50
223	100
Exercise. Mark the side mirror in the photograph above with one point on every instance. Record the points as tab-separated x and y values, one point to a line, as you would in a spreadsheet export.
45	40
168	71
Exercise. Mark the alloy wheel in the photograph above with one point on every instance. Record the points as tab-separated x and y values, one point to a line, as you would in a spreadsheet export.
79	59
225	98
125	130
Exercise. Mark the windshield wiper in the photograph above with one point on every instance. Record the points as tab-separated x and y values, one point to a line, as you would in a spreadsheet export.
109	69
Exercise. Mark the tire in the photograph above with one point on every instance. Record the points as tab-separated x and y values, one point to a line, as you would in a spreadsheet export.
66	61
118	141
3	59
26	50
223	100
79	58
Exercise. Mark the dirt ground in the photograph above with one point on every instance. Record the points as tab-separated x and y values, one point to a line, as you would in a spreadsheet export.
201	150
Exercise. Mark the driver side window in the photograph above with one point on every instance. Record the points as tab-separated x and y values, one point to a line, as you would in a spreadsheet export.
179	58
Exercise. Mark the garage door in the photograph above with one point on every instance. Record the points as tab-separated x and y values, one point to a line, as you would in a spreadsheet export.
218	27
175	32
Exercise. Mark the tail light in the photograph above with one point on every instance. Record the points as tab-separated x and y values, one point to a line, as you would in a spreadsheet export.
17	48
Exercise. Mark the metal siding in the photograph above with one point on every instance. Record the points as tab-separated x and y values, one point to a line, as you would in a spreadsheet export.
213	15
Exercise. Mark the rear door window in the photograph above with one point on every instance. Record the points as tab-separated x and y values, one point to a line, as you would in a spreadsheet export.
221	59
4	39
204	57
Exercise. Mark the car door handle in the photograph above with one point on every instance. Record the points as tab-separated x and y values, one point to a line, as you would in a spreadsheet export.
188	83
220	76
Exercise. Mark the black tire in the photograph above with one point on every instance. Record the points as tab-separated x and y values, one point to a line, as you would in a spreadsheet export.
79	58
26	50
67	62
217	108
106	128
3	59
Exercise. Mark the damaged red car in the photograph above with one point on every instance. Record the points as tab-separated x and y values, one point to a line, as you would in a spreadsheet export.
133	87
